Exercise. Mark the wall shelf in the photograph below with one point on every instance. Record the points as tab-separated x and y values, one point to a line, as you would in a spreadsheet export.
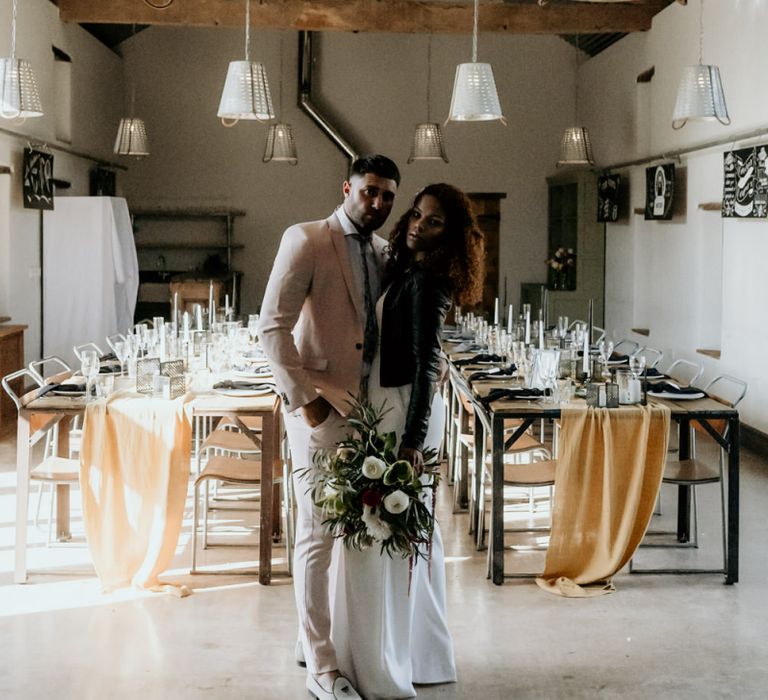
709	353
711	206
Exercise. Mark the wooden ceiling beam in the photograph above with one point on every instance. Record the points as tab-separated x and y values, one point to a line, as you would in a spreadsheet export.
407	16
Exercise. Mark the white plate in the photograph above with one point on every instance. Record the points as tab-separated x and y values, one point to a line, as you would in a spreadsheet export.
676	397
244	392
252	374
73	394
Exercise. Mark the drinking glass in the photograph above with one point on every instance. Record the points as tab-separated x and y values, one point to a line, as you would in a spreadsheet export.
122	350
605	348
253	326
636	365
89	367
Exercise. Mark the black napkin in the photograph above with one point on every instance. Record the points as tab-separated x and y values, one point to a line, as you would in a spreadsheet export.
247	386
669	388
109	369
481	357
653	373
519	393
62	388
617	357
265	370
109	356
500	372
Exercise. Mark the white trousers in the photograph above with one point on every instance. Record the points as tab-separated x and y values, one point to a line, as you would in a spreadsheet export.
314	545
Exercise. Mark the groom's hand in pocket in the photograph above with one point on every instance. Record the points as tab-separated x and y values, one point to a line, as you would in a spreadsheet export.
414	457
316	411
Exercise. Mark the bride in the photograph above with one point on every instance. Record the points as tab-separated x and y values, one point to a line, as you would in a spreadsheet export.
388	622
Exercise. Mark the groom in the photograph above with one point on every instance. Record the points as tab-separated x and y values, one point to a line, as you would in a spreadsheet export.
318	329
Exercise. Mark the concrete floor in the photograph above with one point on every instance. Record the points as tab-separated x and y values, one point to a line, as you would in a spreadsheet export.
655	637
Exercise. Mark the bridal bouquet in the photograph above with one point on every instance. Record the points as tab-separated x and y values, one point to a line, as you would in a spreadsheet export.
369	496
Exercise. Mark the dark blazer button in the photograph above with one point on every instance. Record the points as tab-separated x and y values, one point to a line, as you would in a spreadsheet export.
359	346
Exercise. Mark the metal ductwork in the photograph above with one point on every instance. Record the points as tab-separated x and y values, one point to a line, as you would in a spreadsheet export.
305	98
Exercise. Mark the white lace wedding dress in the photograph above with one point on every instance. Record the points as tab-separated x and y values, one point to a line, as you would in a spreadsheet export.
386	637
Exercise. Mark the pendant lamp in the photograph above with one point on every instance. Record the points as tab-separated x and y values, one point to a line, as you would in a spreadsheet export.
427	141
281	143
246	90
700	95
19	97
576	146
474	89
131	137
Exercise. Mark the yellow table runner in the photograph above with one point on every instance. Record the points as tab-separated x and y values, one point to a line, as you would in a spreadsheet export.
608	476
134	470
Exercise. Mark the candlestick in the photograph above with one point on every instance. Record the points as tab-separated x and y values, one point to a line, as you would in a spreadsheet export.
496	312
226	307
198	317
527	324
211	307
585	354
175	317
234	292
185	326
541	329
545	304
509	319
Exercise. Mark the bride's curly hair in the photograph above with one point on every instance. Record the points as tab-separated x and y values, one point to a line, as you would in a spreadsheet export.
459	258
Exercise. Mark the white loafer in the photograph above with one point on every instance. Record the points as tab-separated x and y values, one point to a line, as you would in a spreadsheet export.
300	660
342	689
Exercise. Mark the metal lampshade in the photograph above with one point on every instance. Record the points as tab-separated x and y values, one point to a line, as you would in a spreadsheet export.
428	143
576	147
19	97
132	138
281	145
700	97
246	93
474	96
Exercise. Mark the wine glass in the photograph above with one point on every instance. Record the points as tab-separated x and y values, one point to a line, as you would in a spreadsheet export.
89	367
636	365
605	348
122	350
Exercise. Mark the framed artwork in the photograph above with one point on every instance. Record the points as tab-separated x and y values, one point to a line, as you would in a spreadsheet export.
745	183
37	180
608	198
659	191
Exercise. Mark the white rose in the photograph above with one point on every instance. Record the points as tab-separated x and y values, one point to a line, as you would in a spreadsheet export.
329	491
345	453
396	502
373	468
375	526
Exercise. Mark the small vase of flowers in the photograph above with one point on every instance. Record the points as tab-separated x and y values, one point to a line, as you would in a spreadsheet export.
562	269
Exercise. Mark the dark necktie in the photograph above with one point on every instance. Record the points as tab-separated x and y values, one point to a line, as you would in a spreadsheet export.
371	330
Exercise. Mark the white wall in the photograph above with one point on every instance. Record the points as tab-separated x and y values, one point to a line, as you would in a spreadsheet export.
97	90
697	281
373	88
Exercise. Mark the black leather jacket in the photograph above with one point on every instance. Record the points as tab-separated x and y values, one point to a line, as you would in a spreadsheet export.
412	319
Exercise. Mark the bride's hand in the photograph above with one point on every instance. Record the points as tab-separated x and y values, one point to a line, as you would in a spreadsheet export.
414	457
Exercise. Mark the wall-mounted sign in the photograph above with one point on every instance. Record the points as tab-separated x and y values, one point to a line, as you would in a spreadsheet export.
659	191
745	183
608	198
37	181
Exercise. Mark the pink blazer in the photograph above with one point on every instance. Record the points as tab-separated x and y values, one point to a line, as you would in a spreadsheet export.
311	325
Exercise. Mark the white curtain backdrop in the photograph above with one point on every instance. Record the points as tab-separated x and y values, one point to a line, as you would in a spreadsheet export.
90	272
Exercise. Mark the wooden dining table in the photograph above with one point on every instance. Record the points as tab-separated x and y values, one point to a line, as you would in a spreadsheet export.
498	415
38	410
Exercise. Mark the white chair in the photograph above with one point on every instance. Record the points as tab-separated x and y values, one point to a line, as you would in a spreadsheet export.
59	471
684	372
78	349
652	355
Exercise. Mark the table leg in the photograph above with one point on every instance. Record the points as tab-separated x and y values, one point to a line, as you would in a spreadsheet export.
63	533
684	492
22	497
497	501
732	566
479	486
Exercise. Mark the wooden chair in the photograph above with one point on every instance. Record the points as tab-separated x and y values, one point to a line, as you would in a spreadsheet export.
696	472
